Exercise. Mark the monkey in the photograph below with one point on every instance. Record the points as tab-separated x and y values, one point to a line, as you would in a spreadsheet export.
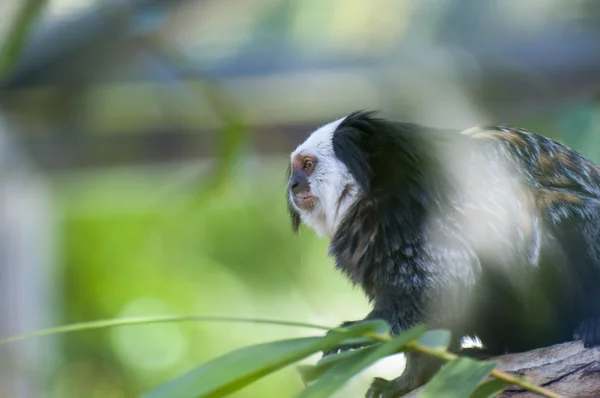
491	232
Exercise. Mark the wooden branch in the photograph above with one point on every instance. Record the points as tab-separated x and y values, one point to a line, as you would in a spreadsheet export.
568	369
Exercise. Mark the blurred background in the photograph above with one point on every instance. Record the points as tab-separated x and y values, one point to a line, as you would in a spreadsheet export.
143	147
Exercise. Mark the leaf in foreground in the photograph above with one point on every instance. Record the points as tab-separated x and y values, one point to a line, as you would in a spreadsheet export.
437	339
235	370
312	372
341	371
146	320
490	389
458	378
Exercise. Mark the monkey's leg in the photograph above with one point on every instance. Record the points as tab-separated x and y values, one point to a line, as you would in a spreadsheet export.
589	332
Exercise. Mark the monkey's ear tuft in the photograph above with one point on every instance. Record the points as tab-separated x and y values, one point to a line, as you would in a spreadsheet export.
294	215
295	218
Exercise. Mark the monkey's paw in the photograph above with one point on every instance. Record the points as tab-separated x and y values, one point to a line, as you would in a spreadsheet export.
589	332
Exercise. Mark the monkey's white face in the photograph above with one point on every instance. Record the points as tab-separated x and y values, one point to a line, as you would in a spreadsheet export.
321	187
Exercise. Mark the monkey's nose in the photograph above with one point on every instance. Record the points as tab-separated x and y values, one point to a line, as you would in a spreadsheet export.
298	183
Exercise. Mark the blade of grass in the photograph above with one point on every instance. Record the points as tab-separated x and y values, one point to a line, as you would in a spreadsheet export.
143	320
230	372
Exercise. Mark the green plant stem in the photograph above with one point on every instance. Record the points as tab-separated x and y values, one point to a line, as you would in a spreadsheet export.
143	320
448	356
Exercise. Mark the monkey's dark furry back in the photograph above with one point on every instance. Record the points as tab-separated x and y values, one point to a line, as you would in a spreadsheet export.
567	187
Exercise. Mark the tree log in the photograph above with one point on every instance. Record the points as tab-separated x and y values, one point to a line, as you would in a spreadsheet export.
567	369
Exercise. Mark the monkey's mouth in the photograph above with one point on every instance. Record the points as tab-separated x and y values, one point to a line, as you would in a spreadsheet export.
304	200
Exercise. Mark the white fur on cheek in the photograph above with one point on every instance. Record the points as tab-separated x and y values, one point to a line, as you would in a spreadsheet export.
327	182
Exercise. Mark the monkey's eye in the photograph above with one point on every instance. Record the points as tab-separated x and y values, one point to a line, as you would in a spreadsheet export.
308	164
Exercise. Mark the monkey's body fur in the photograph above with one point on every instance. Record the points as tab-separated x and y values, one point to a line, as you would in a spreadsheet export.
493	232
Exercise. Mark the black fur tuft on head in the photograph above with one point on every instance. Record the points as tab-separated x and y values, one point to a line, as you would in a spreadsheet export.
379	153
349	143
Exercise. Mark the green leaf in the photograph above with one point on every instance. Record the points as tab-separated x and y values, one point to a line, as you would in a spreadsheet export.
490	389
307	373
312	372
360	341
373	326
233	371
144	320
457	378
341	371
438	339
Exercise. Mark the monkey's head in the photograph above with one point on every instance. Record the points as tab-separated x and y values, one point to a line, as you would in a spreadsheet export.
322	184
361	157
342	162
